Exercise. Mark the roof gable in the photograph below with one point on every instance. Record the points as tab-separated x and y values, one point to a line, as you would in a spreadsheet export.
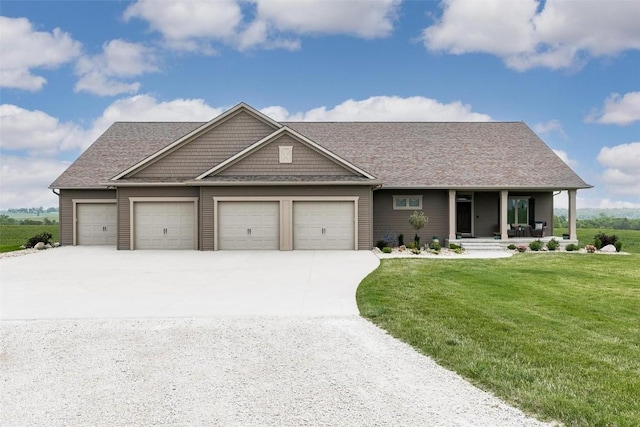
263	158
210	143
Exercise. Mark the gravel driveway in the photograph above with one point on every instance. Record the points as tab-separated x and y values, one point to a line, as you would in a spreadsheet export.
230	371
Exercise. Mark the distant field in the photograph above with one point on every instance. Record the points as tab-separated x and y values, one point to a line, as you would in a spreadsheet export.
12	236
630	238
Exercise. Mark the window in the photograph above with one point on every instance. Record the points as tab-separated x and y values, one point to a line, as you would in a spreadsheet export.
407	202
518	210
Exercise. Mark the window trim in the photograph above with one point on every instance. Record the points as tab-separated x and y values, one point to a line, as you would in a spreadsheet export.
407	206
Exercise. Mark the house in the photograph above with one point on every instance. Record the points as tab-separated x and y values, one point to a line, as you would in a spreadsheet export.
245	181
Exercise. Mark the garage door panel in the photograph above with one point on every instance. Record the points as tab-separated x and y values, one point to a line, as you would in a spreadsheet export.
248	225
323	225
164	225
96	223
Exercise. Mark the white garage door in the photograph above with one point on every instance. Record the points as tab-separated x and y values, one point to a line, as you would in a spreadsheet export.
96	223
248	225
323	225
164	225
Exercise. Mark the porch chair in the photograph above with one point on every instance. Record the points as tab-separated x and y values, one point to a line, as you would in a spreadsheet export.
538	228
512	230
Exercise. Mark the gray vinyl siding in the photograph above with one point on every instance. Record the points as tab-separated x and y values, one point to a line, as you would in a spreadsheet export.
364	205
124	213
266	161
435	205
486	213
65	203
207	150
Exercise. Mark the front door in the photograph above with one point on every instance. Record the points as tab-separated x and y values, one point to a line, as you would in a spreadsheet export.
463	217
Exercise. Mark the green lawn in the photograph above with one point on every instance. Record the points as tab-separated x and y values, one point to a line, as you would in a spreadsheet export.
557	335
12	236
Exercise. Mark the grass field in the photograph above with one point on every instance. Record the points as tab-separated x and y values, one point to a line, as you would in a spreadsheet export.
12	236
20	216
630	238
557	335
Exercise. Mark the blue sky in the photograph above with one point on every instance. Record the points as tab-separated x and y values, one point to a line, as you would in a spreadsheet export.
569	69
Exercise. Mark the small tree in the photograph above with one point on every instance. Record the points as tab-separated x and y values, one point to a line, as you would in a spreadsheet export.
418	221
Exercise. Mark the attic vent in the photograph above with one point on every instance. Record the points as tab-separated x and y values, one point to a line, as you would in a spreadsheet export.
286	153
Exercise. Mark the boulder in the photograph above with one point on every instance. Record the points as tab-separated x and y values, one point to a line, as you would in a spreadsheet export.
56	244
608	249
39	245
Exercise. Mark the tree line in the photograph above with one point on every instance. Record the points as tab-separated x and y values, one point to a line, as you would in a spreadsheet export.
599	222
7	220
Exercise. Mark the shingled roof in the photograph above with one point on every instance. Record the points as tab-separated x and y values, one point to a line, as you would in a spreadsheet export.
411	155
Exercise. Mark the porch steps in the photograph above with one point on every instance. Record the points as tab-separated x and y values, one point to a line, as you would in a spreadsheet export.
481	246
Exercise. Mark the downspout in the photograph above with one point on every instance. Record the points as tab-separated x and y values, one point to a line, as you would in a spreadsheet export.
54	192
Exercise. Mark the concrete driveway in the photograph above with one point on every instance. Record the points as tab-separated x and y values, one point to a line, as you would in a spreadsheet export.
101	282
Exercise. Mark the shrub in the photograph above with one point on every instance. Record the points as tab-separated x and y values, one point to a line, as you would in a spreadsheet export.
536	245
43	237
604	240
453	246
417	220
416	251
387	249
458	250
521	248
411	245
416	241
571	247
389	238
590	248
435	246
400	239
552	244
618	245
381	244
511	246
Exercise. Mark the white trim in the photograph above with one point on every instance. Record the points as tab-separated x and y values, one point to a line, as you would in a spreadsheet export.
301	138
75	213
133	200
286	218
217	120
285	153
407	207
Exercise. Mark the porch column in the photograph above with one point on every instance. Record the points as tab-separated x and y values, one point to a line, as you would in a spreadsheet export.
452	214
504	199
573	235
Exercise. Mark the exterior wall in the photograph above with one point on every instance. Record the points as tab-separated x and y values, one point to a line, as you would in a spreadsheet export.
207	194
265	161
65	204
228	138
435	205
124	213
486	213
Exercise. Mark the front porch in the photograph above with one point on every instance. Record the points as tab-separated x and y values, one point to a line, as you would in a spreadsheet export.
509	216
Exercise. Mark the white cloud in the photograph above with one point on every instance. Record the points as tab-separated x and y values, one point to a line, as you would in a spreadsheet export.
526	33
25	181
366	19
186	24
549	127
36	131
622	168
102	74
193	25
618	110
23	49
384	108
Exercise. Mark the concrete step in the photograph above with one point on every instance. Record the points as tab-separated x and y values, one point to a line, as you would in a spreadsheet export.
481	246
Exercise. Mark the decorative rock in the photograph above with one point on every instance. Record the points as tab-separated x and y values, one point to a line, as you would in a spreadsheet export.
48	246
608	249
402	248
39	245
56	244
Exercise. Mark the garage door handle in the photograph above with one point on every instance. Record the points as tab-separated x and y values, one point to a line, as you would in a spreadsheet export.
249	231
